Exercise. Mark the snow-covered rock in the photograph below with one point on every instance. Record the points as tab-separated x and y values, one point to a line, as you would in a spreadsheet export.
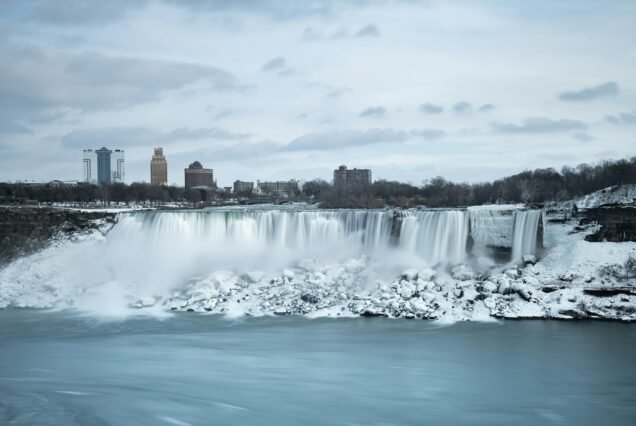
613	195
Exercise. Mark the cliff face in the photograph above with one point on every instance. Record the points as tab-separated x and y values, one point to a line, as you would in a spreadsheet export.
24	230
618	224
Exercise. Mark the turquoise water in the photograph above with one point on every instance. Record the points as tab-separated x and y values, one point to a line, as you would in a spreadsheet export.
61	369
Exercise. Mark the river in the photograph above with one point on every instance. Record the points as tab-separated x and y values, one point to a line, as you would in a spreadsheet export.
61	368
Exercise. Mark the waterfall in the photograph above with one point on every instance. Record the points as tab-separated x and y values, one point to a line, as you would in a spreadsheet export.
436	236
524	236
154	253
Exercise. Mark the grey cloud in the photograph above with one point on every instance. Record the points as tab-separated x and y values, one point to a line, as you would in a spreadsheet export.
336	93
486	108
429	108
583	137
354	138
370	30
376	112
118	137
623	118
606	89
463	107
246	150
35	85
312	34
84	12
112	137
275	64
12	127
279	9
184	133
540	125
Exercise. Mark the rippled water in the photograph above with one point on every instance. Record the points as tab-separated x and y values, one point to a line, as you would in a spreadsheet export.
56	368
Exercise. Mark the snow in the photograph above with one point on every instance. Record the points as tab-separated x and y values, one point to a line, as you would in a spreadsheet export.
492	225
613	195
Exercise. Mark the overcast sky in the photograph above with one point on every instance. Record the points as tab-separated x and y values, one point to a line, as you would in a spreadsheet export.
277	89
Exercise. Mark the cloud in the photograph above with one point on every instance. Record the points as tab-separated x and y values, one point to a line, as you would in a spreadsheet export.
111	137
486	108
540	125
12	127
622	118
375	112
370	30
429	108
339	92
183	133
606	89
124	136
84	12
583	137
279	9
242	151
312	34
276	64
354	138
463	107
36	85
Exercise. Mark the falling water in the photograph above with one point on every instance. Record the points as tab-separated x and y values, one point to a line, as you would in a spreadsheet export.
524	236
155	253
436	236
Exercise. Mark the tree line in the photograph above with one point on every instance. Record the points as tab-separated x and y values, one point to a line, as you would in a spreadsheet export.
530	187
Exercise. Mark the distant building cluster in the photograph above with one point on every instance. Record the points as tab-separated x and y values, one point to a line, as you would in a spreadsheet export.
343	177
281	187
103	166
241	187
158	168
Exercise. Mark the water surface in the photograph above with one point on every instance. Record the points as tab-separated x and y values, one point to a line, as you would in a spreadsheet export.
59	368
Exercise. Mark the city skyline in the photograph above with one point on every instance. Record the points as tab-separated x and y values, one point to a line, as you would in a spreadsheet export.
281	90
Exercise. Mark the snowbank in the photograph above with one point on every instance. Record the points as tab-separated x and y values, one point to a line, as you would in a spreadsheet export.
614	195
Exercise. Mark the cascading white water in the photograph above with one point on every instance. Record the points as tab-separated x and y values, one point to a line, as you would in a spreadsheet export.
153	254
296	230
524	236
436	236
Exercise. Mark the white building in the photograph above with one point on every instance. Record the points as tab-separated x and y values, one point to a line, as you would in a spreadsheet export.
117	166
90	166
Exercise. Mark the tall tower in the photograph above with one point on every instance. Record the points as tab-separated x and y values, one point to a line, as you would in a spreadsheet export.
103	165
158	168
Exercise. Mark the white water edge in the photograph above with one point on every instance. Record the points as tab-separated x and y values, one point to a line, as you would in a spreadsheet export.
415	264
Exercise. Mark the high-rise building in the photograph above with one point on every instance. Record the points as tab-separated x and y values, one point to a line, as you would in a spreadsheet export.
117	166
196	175
90	166
103	166
343	177
241	187
158	168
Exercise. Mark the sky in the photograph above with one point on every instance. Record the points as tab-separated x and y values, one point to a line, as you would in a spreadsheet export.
279	89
